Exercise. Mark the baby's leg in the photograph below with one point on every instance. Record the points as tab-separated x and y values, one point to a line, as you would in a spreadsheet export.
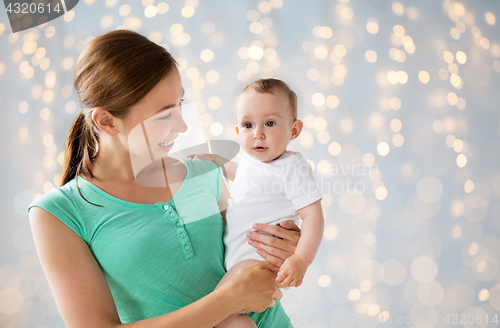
238	319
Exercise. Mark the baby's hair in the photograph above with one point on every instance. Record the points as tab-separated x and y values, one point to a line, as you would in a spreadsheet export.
270	85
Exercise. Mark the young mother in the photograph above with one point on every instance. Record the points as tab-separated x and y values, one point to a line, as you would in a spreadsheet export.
117	253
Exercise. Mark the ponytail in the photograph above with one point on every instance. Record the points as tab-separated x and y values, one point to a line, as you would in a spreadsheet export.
81	150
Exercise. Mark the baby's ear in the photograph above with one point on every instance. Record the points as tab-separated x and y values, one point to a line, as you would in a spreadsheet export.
296	129
236	129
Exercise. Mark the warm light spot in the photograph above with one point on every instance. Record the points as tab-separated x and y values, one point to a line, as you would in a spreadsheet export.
398	140
438	126
371	56
373	310
340	50
381	193
264	7
396	125
192	73
484	295
372	26
399	30
212	76
255	52
332	101
214	102
455	33
176	29
424	77
187	11
255	27
312	74
150	11
45	114
23	133
365	286
461	160
383	148
325	32
395	103
402	77
469	186
368	159
456	232
458	145
473	249
318	99
398	8
452	98
216	129
48	140
207	55
331	232
461	57
392	77
334	148
448	57
321	52
354	294
369	239
324	281
455	80
162	8
346	125
490	18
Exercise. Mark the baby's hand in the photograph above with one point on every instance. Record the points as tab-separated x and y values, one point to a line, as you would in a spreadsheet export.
292	272
208	157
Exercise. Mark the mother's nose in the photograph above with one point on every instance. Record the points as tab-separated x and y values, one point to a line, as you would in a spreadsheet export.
179	125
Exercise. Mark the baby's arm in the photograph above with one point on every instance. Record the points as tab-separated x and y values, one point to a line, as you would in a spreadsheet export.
228	167
293	269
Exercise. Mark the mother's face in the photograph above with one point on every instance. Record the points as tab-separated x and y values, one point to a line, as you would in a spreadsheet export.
154	122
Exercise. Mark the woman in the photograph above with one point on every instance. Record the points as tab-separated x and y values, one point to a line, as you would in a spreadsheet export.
117	253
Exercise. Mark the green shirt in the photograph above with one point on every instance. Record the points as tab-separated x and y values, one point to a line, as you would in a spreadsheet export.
156	258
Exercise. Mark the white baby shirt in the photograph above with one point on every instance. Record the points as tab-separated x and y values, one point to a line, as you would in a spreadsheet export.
266	193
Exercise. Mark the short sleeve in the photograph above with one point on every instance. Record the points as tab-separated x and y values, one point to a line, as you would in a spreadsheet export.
62	207
299	184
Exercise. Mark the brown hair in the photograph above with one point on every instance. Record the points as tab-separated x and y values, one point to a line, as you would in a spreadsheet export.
114	72
270	85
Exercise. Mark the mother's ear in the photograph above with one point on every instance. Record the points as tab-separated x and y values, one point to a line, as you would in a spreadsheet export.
105	121
296	129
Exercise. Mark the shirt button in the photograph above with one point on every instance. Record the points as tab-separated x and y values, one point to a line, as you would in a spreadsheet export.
183	234
186	247
172	214
178	224
165	207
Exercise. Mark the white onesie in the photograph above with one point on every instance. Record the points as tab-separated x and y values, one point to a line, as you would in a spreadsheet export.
266	193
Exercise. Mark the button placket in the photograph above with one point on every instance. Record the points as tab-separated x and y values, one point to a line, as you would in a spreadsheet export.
181	232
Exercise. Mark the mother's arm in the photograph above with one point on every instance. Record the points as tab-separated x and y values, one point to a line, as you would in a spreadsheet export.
84	299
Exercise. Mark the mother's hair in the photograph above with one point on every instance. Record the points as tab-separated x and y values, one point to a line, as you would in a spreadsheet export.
113	72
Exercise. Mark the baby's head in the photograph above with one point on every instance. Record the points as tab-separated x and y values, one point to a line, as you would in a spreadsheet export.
267	118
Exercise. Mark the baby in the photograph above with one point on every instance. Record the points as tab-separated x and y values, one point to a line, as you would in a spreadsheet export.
270	185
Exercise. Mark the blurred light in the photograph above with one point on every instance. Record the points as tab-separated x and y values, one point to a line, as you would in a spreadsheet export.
396	125
383	148
23	133
270	54
318	99
216	129
483	295
398	8
264	7
312	74
381	193
255	52
372	26
346	125
192	73
45	114
461	160
48	140
395	103
365	286
456	232
68	16
448	57
332	101
371	56
398	30
398	140
212	76
162	7
11	301
321	52
208	28
334	148
429	189
490	18
354	294
150	11
455	33
207	55
324	281
424	269
187	11
331	232
214	102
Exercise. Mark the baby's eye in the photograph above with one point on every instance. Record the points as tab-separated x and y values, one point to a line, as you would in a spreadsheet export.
247	125
270	123
166	117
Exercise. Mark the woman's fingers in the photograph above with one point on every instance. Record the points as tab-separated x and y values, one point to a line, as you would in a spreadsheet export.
269	240
270	251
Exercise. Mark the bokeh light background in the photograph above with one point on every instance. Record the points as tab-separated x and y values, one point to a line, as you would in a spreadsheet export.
401	107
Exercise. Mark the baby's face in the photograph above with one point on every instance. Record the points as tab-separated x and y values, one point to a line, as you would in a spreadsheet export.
265	124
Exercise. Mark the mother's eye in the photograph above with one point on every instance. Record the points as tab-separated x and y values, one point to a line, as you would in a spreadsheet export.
166	117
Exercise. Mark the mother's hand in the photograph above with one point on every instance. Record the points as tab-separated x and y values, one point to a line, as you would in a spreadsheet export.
272	249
